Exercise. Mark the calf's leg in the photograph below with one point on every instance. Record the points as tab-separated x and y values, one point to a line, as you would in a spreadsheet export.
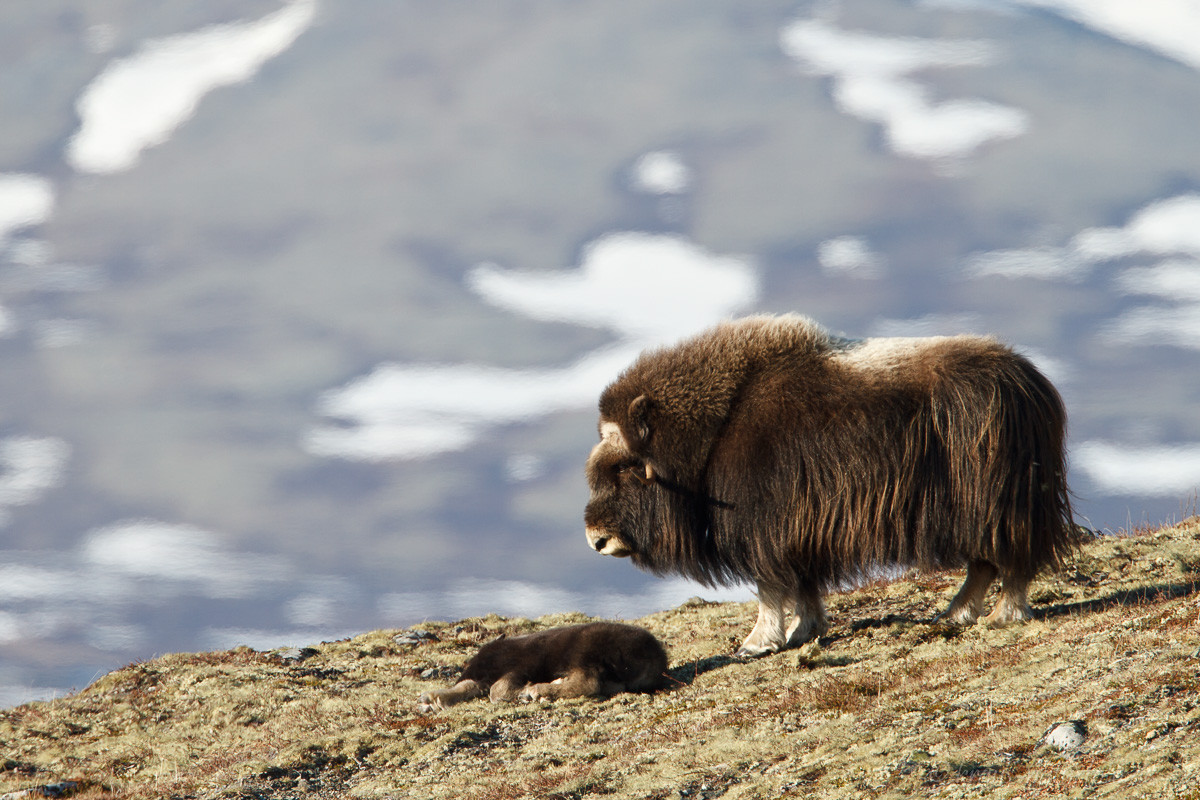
438	699
506	689
576	683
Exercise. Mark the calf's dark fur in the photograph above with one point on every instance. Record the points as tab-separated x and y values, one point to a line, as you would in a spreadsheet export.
767	450
594	659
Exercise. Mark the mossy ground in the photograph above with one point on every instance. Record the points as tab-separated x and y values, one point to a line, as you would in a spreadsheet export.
890	704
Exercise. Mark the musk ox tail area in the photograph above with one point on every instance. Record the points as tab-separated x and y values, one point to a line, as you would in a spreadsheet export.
1002	428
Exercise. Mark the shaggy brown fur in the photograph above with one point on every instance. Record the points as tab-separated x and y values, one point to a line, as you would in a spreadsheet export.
767	450
596	659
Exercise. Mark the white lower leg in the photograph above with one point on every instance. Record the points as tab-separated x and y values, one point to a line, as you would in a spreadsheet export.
768	635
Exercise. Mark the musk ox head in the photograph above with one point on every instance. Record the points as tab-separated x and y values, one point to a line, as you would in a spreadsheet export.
638	509
659	422
647	474
621	482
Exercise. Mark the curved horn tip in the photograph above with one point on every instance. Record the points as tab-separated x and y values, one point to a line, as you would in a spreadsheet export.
647	478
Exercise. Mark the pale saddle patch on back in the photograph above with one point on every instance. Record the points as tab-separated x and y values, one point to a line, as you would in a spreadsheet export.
885	352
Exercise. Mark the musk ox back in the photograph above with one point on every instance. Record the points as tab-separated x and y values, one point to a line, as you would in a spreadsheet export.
595	659
767	450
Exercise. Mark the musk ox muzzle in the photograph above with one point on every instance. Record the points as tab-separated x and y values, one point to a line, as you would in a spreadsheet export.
767	451
607	544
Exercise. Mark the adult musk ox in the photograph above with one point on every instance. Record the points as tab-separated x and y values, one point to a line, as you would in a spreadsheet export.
767	450
595	659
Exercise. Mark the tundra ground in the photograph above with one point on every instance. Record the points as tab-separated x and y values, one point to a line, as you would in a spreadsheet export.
889	704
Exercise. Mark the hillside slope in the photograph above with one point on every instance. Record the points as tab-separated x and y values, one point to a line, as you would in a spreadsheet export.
888	705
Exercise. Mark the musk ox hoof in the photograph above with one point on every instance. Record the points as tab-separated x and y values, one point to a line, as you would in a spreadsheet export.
428	704
755	651
805	631
1005	614
963	617
532	694
536	692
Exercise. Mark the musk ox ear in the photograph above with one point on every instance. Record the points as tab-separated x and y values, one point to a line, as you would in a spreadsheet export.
639	421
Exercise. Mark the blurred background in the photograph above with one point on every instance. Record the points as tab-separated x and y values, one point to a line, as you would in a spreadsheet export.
305	306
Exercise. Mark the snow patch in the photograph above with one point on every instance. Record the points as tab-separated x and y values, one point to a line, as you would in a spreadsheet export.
928	325
1168	27
1154	325
646	287
408	411
29	467
137	102
1155	470
179	554
1167	228
1060	263
661	172
1175	279
25	200
850	256
871	82
97	592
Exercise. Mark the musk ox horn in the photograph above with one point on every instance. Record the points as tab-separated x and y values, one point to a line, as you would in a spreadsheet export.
648	478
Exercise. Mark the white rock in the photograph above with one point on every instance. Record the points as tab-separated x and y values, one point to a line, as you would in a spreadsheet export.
1067	735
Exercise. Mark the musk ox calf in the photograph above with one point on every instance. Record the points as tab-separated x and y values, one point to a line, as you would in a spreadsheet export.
596	659
767	450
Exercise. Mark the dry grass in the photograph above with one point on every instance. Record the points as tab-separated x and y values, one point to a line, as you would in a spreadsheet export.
889	704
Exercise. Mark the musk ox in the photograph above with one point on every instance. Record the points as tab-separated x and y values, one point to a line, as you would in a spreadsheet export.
768	450
596	659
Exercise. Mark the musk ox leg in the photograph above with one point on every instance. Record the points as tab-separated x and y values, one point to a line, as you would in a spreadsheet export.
769	634
439	699
967	605
809	619
1012	605
576	683
507	689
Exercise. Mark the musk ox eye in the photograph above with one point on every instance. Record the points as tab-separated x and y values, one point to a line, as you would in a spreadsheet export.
643	472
